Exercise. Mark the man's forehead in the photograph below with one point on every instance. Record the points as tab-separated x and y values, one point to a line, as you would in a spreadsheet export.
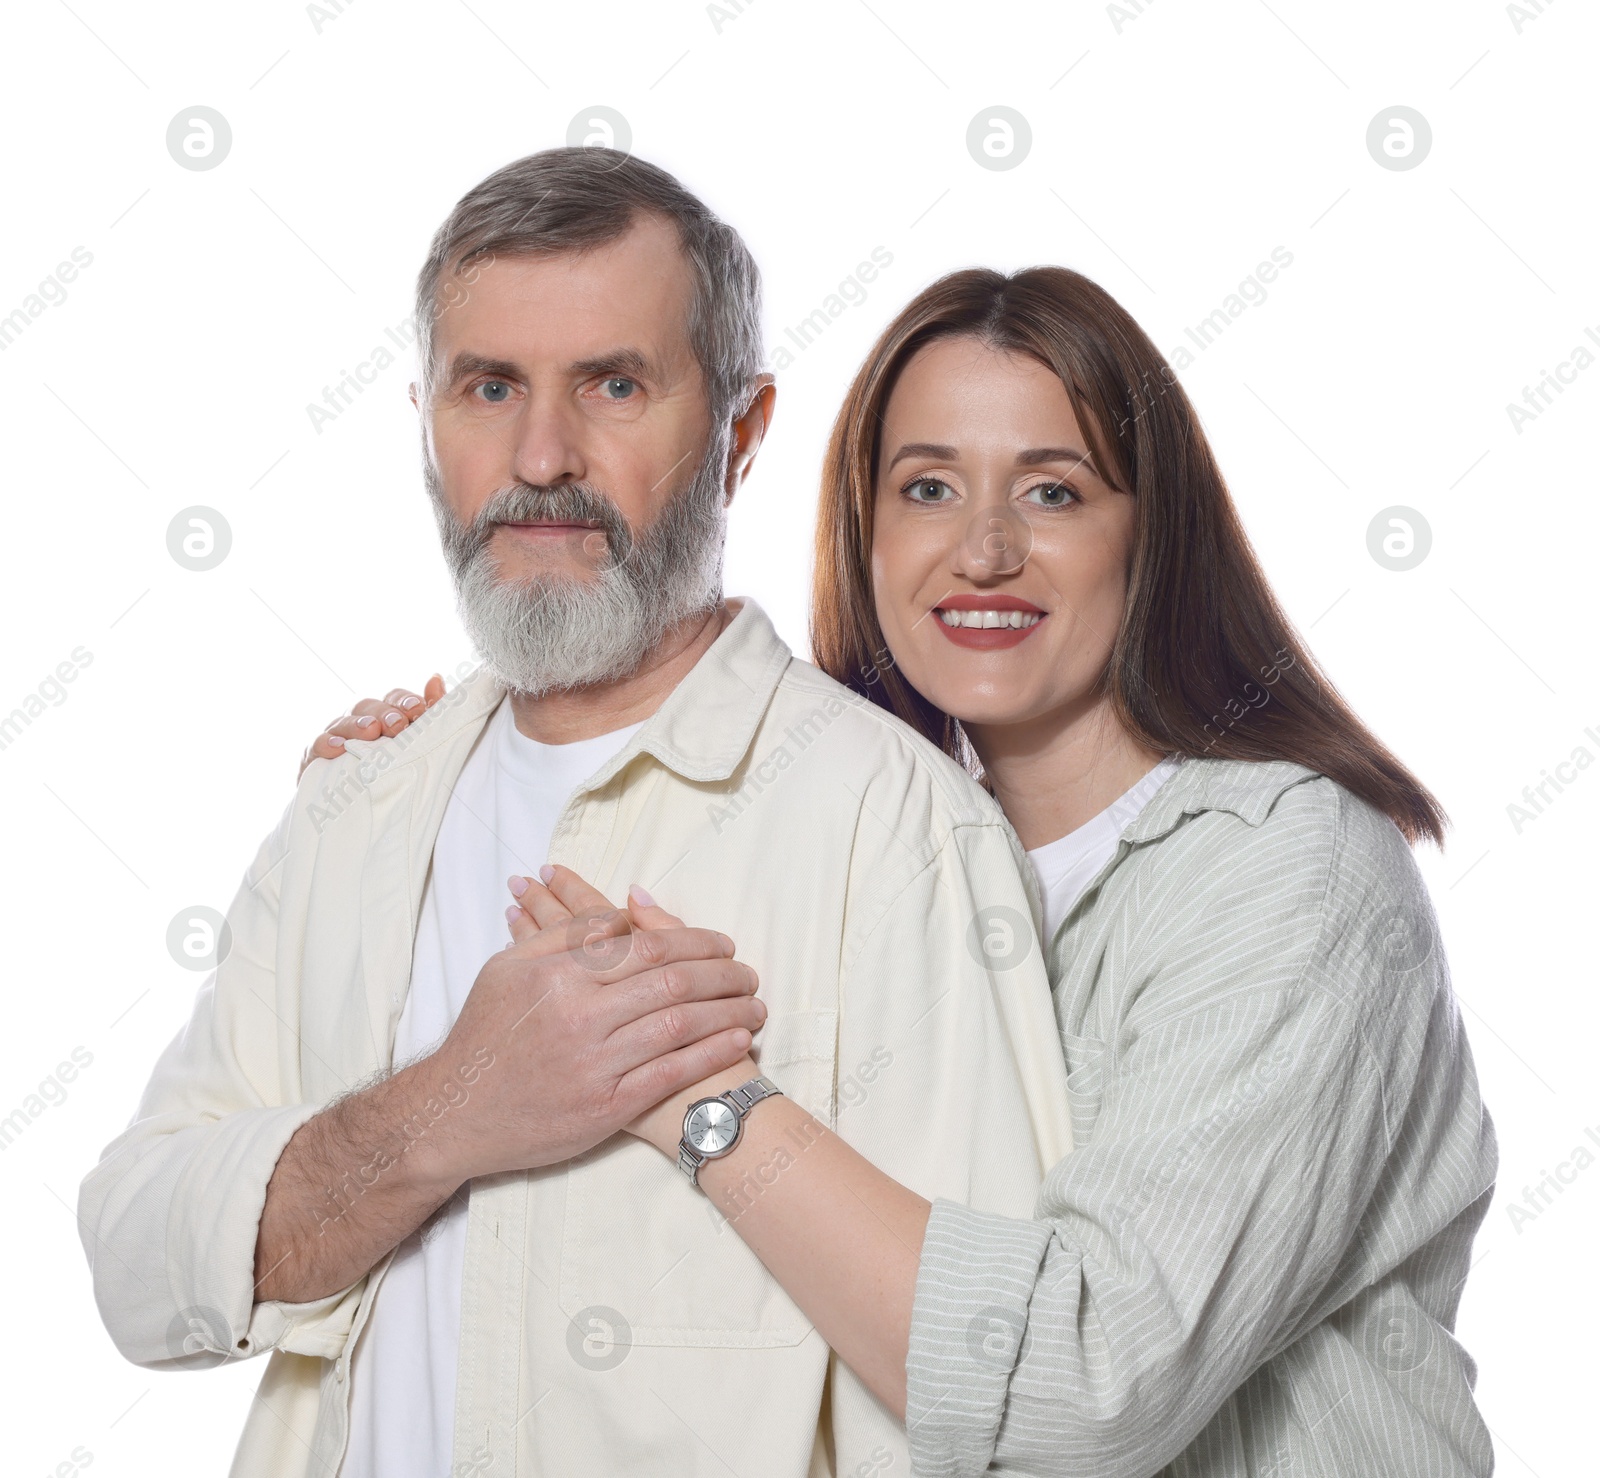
633	291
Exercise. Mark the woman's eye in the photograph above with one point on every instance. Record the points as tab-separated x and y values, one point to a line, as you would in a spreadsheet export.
927	490
1053	495
618	387
496	392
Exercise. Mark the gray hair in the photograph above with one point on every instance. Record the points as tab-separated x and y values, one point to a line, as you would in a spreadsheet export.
567	200
544	632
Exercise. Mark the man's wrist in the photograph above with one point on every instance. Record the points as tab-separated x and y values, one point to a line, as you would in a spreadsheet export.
429	1108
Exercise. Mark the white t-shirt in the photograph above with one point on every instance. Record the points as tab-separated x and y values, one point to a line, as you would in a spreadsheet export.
1067	866
499	821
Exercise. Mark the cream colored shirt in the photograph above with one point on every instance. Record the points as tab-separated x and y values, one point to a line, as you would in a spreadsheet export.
503	809
611	1322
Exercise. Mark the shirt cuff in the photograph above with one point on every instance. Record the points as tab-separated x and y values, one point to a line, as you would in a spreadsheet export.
968	1326
321	1327
211	1241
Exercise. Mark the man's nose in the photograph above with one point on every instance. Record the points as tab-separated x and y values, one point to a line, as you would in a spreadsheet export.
548	448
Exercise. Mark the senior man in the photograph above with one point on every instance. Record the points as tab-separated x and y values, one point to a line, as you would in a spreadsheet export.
385	1146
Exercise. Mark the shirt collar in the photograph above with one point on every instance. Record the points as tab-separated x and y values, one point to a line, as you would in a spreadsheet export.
1247	788
708	722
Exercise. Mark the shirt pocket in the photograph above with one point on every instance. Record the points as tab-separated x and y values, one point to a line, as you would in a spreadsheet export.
638	1241
797	1050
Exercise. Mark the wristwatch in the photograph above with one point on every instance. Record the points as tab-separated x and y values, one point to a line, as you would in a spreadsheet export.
712	1126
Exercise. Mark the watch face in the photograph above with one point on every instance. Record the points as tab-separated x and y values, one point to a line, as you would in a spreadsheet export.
711	1127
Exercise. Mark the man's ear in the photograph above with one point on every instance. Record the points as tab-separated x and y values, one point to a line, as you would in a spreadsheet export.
748	433
411	390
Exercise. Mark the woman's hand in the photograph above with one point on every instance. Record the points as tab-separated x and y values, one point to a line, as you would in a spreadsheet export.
373	718
564	906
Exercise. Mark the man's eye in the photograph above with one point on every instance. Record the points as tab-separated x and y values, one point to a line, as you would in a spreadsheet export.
497	392
618	387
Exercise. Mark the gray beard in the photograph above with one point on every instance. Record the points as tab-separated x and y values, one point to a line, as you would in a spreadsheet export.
553	632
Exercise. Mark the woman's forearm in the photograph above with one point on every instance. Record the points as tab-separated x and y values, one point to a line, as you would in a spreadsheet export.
840	1236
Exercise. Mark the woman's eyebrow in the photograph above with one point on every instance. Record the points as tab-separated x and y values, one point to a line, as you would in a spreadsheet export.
923	449
1038	455
1033	457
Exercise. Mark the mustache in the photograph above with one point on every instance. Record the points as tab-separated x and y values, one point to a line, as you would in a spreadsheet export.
567	502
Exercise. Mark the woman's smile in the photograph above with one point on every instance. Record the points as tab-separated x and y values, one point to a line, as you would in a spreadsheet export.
988	622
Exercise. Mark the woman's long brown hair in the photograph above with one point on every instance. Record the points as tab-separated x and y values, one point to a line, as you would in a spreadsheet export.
1205	663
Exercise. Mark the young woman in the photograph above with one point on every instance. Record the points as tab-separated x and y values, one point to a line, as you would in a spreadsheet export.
1251	1262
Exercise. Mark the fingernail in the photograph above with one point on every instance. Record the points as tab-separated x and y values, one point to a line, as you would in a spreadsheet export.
639	896
410	702
761	1009
518	886
367	723
511	914
727	944
546	873
392	717
335	741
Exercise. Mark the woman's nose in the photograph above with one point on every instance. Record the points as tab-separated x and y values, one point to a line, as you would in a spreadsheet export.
995	543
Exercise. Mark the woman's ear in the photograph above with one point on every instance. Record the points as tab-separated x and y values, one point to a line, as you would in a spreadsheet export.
748	433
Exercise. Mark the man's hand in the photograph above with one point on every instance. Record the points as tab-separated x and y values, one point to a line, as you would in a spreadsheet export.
563	1040
549	909
589	1024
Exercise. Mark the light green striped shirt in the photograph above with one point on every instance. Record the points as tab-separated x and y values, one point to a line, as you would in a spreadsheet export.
1251	1263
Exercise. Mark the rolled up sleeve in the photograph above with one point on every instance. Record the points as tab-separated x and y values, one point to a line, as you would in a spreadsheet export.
974	1285
169	1216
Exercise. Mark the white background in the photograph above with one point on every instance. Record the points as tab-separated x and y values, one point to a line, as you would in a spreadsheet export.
1172	151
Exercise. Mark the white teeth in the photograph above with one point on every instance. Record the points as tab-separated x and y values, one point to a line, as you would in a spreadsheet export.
987	620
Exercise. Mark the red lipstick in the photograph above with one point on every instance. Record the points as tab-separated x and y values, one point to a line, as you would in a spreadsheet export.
1013	620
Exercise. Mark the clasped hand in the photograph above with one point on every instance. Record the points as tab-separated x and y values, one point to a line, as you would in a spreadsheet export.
604	1017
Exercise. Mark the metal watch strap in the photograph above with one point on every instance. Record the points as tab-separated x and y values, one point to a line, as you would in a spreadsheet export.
743	1098
747	1095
